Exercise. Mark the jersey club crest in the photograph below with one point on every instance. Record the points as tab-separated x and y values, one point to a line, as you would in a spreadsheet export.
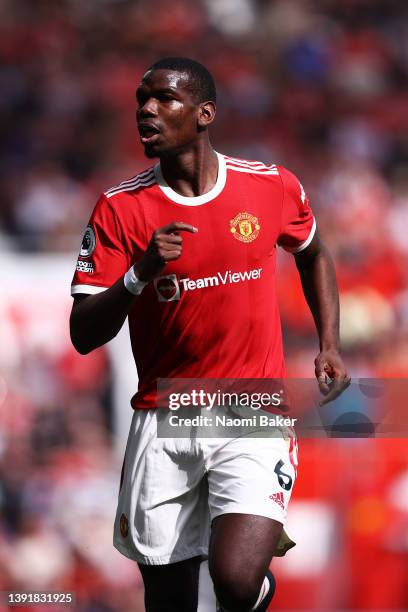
245	227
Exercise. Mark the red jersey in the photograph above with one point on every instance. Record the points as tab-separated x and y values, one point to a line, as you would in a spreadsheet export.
213	313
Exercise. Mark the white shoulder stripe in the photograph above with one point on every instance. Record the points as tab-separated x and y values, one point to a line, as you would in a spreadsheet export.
143	183
245	162
142	175
129	183
273	171
244	165
131	187
250	164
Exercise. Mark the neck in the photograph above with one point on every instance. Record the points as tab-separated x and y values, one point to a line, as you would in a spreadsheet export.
191	173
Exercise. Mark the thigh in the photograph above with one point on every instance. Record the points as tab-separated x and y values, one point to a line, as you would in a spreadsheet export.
172	587
250	483
242	547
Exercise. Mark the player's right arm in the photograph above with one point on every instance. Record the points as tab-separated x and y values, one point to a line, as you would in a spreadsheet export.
97	318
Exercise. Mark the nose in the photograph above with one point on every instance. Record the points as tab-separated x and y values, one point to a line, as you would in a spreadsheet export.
148	108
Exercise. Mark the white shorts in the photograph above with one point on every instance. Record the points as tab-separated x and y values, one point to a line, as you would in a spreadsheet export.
174	487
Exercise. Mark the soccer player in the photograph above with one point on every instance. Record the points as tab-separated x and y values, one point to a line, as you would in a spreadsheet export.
186	250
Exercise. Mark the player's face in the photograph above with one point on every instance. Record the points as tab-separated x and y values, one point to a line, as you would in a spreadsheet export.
167	115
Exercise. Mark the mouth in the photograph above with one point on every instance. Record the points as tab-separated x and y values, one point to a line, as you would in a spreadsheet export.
148	133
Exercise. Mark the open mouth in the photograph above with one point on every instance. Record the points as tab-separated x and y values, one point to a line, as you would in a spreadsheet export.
148	133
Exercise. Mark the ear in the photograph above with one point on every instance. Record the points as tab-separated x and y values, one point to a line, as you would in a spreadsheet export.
206	114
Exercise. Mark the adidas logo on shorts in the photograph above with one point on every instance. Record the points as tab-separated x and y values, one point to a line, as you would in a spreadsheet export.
279	499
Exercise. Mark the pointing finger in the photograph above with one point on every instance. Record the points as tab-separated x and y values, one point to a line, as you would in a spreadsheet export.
178	226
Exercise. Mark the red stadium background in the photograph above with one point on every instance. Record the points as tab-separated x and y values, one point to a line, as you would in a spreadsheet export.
317	86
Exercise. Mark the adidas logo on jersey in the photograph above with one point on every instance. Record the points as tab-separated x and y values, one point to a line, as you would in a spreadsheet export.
168	287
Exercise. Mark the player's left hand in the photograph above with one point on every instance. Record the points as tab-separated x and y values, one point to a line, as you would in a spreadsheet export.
329	365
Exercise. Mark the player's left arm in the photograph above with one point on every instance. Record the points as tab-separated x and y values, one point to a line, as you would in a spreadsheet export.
318	276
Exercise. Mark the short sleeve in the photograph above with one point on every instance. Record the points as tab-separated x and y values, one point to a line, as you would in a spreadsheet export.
102	257
298	223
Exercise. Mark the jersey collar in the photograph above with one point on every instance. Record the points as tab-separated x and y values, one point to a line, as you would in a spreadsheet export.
194	200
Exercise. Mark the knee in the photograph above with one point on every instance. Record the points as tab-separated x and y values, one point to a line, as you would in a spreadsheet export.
236	591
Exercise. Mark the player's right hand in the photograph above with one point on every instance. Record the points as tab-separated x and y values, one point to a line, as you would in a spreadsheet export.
165	245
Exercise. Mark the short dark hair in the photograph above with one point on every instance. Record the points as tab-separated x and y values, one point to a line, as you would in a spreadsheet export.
201	81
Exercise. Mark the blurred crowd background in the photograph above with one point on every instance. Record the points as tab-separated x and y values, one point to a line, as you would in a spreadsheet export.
320	87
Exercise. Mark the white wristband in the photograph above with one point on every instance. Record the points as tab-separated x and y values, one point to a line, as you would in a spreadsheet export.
132	283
